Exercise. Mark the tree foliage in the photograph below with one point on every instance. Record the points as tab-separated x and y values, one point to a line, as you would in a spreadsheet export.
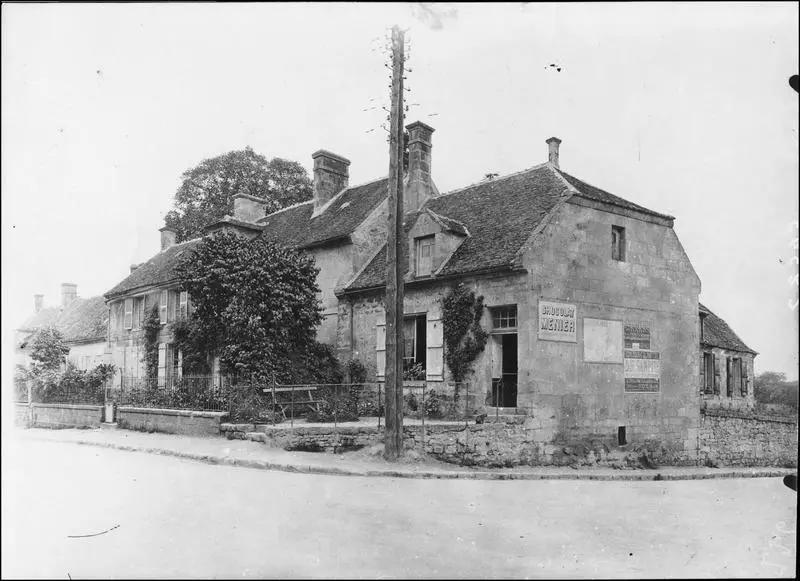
256	307
464	338
152	327
48	350
773	388
206	191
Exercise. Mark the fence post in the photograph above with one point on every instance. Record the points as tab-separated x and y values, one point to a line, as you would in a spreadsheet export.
335	416
424	412
274	380
292	420
30	403
379	405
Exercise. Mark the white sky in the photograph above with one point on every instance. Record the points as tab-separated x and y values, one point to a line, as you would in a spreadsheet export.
685	109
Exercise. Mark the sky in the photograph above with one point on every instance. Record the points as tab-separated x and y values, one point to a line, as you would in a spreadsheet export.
682	108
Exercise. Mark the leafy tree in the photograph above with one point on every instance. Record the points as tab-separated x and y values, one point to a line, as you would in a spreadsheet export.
772	387
206	191
48	350
256	307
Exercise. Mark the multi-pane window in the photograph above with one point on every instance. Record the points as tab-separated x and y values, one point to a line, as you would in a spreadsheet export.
414	342
183	308
128	320
162	311
618	243
424	255
504	317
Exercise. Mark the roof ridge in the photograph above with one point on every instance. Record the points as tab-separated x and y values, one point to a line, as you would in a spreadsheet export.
330	202
472	185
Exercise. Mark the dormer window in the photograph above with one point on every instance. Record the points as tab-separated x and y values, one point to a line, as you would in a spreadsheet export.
424	251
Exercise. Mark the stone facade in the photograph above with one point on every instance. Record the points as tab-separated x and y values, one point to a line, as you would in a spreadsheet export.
733	437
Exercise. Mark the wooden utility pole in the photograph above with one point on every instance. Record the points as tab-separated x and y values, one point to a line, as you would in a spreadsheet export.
395	260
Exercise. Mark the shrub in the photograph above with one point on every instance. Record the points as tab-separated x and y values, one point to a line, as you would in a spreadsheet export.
414	373
410	402
340	405
433	405
356	371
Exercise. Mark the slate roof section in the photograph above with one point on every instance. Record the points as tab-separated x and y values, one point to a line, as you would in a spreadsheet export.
500	215
84	320
717	333
157	271
295	226
598	195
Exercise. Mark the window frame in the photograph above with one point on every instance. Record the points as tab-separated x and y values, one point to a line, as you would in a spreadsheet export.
127	319
618	243
419	355
421	243
163	303
507	313
183	305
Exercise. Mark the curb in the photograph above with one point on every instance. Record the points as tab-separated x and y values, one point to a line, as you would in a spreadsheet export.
638	475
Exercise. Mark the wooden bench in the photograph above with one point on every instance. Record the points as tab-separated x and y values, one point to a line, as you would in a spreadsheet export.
299	398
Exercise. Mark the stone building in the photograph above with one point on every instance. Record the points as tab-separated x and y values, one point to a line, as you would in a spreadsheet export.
592	303
726	365
82	322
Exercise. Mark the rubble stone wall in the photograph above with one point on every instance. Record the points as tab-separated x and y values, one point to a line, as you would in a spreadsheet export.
732	437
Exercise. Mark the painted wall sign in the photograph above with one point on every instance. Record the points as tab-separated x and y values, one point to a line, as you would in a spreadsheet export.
637	335
602	341
557	321
642	371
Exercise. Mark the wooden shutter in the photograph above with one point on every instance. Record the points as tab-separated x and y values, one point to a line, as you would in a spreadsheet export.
702	372
716	374
163	306
380	346
128	321
162	364
744	377
434	358
729	378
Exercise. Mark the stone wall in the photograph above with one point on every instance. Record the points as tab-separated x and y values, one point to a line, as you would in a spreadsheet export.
732	437
62	415
21	414
186	422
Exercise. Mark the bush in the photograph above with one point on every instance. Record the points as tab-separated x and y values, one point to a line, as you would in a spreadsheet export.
410	402
247	404
414	373
72	385
433	405
356	371
340	405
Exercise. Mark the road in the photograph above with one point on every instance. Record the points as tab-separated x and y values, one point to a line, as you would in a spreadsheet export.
178	518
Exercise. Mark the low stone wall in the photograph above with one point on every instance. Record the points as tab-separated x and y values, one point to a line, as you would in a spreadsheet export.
20	414
492	444
61	415
186	422
741	438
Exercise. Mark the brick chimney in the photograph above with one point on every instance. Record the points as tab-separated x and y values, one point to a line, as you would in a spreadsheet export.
168	237
38	303
552	154
69	292
420	188
331	176
249	208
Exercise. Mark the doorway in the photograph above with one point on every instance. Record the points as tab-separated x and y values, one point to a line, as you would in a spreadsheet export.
504	370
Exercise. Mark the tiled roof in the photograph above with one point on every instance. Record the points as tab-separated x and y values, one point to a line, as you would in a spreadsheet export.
717	333
295	226
593	193
157	271
500	215
81	320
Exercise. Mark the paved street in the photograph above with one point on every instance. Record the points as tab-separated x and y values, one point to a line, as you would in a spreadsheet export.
179	518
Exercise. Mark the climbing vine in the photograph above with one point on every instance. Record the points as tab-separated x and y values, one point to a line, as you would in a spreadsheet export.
152	327
188	339
464	337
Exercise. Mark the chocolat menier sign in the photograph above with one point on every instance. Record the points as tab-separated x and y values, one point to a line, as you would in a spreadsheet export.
557	321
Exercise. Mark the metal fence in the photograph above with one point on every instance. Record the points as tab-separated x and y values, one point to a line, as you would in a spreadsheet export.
260	400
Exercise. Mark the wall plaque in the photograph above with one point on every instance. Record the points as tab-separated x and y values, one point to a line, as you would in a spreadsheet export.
602	341
557	321
637	335
642	371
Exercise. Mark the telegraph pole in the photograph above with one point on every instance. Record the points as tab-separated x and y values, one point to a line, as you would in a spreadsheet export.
395	259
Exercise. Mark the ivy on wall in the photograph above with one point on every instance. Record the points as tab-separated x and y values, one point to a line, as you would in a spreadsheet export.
464	338
152	327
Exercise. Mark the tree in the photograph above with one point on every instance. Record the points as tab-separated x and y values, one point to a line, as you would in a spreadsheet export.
256	307
206	191
773	388
48	350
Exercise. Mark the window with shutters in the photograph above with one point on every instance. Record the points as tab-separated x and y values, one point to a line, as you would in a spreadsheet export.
162	307
424	248
414	342
707	373
717	374
128	320
618	243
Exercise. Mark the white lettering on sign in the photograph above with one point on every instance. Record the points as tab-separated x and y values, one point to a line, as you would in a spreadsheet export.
557	321
642	371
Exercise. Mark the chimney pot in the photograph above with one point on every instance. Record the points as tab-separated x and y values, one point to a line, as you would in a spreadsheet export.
69	292
38	303
249	208
331	176
420	187
169	237
552	145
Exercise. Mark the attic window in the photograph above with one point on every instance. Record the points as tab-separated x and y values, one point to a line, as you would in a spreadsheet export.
618	243
424	251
